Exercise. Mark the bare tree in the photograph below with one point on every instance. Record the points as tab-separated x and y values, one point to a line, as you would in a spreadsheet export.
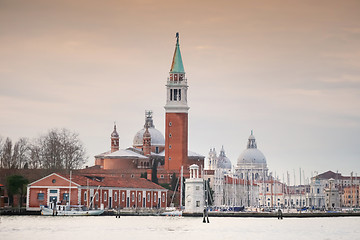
35	156
6	155
21	153
58	149
14	156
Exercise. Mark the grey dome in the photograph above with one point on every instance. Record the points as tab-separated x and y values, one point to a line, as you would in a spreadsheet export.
251	155
223	161
157	139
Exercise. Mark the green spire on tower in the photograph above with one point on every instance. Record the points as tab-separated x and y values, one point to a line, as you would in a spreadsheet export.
177	64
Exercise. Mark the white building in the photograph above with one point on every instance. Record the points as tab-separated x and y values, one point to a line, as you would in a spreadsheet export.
251	164
194	191
218	168
332	196
271	194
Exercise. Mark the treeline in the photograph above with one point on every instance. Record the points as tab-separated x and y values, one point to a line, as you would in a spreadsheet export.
58	149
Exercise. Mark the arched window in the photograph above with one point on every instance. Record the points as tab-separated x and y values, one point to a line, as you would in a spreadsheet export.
123	196
148	197
85	196
154	197
105	196
133	197
139	197
115	196
163	197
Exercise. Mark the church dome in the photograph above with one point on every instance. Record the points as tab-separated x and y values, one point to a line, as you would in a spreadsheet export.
251	155
223	161
157	139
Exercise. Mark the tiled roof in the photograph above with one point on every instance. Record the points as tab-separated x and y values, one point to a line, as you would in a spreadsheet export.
121	153
237	181
328	175
108	181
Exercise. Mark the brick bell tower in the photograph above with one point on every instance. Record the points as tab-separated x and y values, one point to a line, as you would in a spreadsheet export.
176	119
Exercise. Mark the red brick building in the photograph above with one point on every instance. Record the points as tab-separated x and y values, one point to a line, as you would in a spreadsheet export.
95	191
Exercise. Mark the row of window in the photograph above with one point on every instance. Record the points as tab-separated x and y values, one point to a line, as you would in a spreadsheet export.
41	196
123	197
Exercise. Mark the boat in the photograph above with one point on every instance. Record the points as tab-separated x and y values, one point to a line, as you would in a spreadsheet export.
67	210
175	213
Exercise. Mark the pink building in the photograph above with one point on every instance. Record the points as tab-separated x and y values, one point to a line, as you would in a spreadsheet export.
95	191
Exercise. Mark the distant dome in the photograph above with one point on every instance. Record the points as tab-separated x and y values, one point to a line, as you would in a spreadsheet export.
251	155
223	161
157	139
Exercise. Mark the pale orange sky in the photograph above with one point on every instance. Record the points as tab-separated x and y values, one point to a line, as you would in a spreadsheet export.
289	70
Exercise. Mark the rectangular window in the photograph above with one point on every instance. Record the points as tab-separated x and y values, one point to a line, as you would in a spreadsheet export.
123	196
197	203
179	94
53	191
40	196
171	94
97	196
148	197
115	197
65	197
175	94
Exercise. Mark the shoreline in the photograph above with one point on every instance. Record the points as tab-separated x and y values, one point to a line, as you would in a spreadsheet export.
23	212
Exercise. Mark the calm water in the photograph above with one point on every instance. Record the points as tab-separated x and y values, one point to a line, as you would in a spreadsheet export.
171	228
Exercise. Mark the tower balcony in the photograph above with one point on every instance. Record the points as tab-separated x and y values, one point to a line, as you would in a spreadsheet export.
177	83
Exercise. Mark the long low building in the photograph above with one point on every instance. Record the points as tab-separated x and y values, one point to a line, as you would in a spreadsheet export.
95	192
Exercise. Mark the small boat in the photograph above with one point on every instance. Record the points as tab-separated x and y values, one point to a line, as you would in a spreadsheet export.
175	213
66	210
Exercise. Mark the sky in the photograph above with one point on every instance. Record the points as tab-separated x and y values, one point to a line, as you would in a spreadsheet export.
288	70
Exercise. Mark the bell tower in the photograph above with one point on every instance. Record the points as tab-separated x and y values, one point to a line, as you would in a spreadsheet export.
176	119
114	140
